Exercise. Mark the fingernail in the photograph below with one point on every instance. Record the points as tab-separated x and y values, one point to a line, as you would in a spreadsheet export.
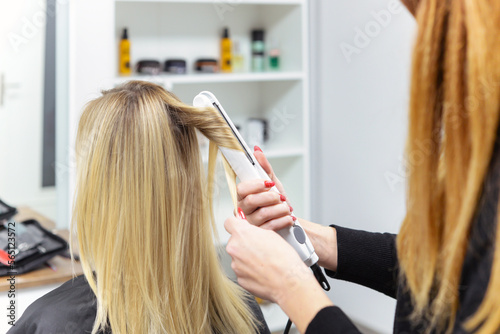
282	198
269	184
291	209
241	213
256	148
294	218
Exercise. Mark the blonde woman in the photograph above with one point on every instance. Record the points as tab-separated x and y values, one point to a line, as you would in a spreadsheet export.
444	265
144	223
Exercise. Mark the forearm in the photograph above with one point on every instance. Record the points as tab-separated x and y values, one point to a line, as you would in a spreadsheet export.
303	297
324	240
360	257
367	258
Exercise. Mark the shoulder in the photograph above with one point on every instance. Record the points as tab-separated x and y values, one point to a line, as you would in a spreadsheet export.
70	308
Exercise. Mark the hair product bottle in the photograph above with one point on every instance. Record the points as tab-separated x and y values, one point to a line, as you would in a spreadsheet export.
124	55
225	51
258	50
274	56
238	63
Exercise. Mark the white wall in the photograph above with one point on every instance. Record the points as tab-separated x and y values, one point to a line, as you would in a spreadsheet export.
77	42
360	108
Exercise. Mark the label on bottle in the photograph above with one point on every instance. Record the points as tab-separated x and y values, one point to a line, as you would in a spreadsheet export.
274	62
257	46
124	62
257	63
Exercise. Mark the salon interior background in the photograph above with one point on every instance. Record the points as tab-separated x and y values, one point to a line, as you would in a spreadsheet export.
360	60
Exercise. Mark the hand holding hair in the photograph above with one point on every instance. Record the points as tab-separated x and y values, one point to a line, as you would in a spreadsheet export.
260	259
267	266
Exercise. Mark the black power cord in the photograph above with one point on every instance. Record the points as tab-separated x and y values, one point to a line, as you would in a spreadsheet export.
320	277
288	326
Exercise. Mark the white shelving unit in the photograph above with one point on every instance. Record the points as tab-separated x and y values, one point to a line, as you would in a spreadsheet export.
159	30
191	29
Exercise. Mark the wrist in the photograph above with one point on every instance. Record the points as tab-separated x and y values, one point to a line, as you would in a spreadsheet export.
303	300
331	260
324	240
294	279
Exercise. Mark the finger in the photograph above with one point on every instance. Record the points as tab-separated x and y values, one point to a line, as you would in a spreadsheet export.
268	213
235	268
229	249
266	165
254	201
246	188
261	158
278	224
231	224
241	214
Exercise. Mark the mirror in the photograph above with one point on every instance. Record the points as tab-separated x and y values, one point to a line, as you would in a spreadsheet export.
27	105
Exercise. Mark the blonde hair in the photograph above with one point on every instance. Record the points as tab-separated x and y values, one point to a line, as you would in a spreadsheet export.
454	112
143	215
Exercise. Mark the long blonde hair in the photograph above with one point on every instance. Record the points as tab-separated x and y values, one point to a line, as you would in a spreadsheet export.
454	113
143	215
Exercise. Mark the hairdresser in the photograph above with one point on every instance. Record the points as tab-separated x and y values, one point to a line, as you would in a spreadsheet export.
443	267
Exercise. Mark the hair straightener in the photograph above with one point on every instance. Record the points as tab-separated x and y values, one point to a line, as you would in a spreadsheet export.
246	168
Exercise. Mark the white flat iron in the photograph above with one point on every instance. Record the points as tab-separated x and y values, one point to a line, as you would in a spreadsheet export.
246	168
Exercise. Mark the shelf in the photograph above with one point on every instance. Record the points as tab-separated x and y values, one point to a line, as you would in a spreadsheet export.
284	153
168	80
229	3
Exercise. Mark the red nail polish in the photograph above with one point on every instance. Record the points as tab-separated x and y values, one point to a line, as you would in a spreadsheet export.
294	218
291	209
256	148
282	198
269	184
241	213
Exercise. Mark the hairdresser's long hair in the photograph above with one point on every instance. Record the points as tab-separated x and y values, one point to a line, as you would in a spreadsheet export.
454	113
143	214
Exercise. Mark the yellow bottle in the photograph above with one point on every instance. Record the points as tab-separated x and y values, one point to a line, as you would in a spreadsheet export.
124	55
225	52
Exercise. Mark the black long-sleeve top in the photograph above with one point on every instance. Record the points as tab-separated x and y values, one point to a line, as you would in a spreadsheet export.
370	259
